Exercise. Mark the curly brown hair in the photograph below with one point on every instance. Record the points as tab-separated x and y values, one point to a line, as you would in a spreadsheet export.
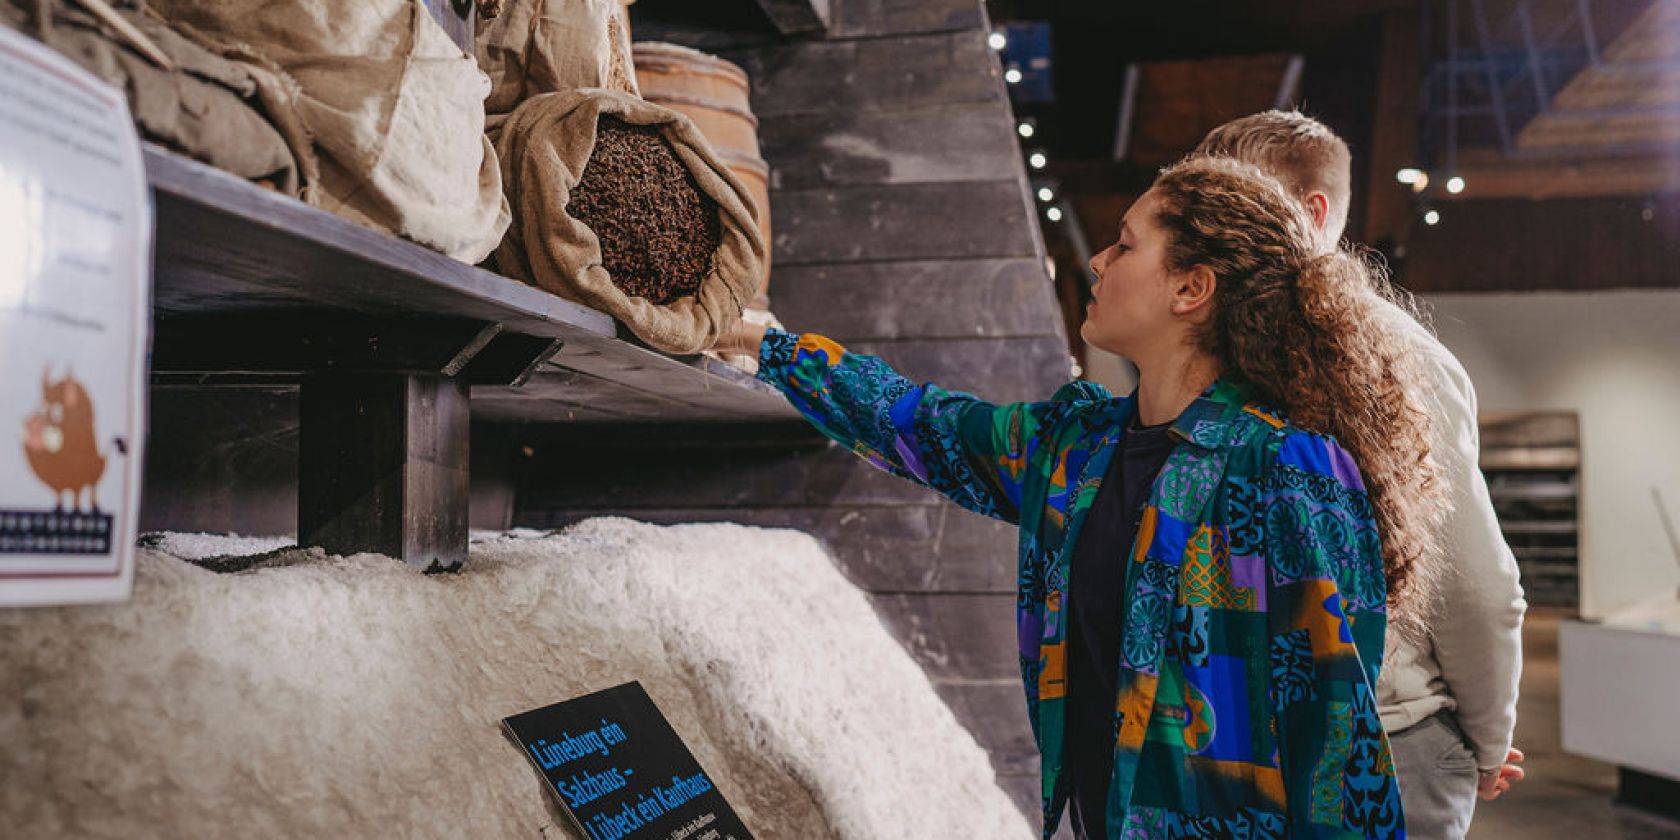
1302	330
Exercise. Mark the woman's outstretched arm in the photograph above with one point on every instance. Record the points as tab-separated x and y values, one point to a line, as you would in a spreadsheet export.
976	453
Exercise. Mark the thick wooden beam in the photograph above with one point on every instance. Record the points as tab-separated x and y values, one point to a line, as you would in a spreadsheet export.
797	17
1492	176
383	466
279	343
871	76
924	299
878	18
1388	203
930	144
961	220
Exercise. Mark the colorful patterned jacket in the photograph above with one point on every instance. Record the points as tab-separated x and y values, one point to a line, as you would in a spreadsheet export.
1255	607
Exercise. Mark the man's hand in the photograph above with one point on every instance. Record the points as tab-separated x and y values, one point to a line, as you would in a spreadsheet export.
1498	780
742	339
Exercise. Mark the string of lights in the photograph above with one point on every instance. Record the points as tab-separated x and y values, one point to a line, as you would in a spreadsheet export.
1028	64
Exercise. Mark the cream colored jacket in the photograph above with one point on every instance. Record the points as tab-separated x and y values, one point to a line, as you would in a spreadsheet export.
1473	657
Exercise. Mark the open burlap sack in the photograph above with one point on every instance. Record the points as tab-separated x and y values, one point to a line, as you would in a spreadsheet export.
394	109
213	104
548	46
544	146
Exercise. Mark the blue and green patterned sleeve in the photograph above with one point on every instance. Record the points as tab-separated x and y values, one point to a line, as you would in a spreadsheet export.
1327	598
973	451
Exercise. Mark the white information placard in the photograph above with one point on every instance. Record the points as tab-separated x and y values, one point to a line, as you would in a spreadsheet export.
75	313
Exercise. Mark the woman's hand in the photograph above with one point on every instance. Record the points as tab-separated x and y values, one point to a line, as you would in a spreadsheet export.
1498	780
742	339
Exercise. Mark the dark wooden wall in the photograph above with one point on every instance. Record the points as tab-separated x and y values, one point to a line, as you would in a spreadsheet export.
1509	245
904	228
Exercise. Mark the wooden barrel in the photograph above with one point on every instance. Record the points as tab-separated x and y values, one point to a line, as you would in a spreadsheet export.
714	94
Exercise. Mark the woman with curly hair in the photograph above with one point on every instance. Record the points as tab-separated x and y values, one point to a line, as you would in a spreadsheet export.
1207	566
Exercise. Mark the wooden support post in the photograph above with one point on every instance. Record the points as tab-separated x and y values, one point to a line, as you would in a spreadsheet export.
1394	135
383	466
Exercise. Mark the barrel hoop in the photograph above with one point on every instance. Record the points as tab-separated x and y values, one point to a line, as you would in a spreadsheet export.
662	97
687	59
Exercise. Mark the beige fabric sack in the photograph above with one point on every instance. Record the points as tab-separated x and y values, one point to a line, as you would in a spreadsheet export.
394	108
546	46
544	146
208	107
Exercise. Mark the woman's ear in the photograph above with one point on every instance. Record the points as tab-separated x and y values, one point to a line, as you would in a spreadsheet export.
1193	290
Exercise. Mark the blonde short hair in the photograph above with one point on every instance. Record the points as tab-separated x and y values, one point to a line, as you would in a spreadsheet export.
1299	151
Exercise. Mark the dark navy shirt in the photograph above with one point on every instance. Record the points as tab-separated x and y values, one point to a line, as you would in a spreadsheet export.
1097	577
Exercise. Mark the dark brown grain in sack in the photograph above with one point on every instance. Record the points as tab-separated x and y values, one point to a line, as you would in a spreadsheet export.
638	217
658	231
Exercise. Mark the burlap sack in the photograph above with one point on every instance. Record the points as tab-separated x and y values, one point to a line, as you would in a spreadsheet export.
394	108
544	145
548	46
207	107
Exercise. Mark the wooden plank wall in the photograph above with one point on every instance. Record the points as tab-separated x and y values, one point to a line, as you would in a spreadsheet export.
904	228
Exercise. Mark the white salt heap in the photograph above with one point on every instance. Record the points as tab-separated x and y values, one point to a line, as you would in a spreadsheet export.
319	696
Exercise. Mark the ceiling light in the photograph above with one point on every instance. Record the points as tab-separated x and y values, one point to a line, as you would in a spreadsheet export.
1045	194
1455	185
1024	129
1409	175
996	40
1012	76
1037	160
1054	214
1432	218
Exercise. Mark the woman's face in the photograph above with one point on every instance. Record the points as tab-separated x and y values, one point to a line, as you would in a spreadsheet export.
1130	313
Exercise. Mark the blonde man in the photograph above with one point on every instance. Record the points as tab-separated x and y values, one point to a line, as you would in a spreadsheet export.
1448	699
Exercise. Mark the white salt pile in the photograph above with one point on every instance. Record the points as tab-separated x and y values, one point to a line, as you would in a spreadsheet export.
352	697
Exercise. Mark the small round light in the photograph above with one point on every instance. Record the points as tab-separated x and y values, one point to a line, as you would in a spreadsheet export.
1409	175
1455	185
1054	214
996	40
1045	194
1012	76
1432	217
1422	183
1024	129
1037	160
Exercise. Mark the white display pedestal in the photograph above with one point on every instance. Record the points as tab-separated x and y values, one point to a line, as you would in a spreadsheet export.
1618	690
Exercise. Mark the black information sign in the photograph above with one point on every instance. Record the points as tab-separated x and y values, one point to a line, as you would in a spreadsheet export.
620	770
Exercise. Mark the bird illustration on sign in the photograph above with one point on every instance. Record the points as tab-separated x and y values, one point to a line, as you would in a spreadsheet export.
60	443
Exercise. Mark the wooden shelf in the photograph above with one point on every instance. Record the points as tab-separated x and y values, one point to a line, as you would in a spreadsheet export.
1533	491
395	349
1533	528
230	254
